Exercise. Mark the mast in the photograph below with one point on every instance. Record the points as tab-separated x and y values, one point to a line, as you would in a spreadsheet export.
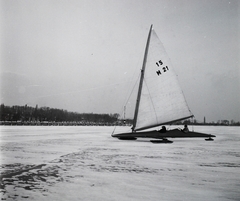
141	80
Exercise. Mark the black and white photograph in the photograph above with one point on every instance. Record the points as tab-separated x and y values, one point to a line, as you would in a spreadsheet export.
120	100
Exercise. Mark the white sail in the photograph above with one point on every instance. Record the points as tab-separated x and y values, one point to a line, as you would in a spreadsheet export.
162	100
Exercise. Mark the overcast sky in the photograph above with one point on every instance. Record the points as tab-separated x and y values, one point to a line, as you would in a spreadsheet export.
85	56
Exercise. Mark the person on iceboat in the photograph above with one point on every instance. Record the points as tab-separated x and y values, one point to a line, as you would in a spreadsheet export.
163	130
185	129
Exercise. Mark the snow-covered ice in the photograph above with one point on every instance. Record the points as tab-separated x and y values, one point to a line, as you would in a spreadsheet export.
86	163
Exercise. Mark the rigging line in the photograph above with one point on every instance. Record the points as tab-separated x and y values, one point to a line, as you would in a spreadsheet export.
126	102
192	123
132	90
133	77
114	129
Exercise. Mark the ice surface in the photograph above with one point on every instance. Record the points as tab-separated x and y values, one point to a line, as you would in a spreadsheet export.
86	163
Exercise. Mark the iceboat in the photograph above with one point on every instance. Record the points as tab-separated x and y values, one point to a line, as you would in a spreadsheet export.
160	100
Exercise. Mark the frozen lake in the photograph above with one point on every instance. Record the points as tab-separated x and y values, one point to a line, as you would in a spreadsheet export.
86	163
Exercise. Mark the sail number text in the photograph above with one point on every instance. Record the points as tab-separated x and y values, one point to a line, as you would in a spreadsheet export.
163	68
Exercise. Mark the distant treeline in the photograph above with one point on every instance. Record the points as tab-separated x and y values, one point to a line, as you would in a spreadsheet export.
25	115
46	114
218	123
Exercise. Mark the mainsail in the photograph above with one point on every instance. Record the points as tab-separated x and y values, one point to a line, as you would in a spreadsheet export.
161	99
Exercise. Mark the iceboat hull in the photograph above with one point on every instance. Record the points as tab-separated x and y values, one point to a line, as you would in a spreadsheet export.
175	133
